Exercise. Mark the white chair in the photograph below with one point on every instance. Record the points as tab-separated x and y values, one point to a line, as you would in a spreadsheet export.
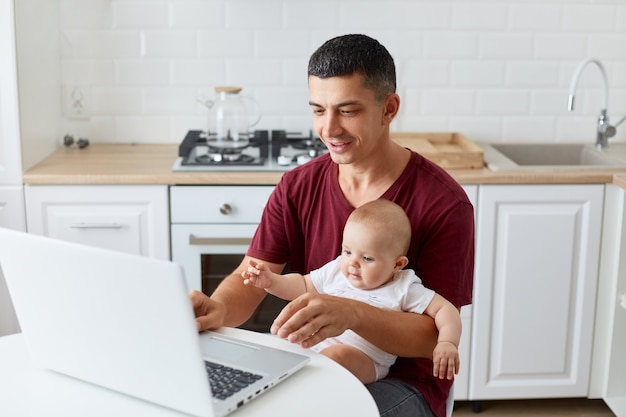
450	401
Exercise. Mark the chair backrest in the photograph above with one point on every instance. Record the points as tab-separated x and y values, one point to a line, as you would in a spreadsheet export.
450	401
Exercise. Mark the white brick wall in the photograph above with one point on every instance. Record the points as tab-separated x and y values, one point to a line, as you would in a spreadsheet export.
494	70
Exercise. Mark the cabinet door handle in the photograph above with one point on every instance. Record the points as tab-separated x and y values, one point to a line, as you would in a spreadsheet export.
228	241
83	225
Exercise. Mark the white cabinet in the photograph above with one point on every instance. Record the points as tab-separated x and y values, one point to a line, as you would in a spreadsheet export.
609	351
461	381
534	290
128	218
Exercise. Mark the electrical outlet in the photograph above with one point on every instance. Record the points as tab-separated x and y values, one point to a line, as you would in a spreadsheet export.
77	101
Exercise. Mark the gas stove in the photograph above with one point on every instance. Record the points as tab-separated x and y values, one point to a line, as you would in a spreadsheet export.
275	150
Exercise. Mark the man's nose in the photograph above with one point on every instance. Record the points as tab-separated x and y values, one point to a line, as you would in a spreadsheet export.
332	125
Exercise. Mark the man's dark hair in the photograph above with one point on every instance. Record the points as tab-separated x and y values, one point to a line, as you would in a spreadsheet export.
347	54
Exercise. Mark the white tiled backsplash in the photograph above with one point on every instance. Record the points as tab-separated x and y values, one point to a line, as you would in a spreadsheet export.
494	70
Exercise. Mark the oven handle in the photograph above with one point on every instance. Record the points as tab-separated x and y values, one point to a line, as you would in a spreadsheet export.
229	241
83	225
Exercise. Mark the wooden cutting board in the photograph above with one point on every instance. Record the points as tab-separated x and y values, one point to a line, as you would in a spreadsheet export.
446	149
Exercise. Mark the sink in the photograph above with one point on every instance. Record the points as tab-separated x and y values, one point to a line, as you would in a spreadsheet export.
553	156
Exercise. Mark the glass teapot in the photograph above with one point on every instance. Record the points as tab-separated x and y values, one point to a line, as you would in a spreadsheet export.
229	118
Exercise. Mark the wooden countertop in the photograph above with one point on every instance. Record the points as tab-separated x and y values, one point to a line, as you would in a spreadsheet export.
120	164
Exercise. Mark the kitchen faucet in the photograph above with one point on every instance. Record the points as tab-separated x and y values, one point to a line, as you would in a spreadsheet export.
604	129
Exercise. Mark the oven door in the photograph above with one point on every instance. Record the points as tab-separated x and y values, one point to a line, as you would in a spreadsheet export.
210	252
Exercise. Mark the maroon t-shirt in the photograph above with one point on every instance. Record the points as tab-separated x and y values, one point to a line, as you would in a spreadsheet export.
302	225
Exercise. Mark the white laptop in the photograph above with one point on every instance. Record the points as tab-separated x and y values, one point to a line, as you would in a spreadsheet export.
126	323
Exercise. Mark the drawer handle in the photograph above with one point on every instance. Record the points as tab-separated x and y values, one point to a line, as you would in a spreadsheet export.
82	225
228	241
226	209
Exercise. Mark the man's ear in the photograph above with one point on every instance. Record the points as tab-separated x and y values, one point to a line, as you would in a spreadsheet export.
391	106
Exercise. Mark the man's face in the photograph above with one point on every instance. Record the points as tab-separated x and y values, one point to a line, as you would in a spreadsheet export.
347	117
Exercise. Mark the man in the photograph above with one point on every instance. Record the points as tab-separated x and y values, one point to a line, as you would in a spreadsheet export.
352	84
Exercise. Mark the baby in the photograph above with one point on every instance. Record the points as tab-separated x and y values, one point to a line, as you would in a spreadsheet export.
376	238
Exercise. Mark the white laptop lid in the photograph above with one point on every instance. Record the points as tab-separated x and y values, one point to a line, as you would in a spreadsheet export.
121	321
81	316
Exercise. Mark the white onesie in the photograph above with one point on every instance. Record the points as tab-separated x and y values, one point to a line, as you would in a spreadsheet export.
404	292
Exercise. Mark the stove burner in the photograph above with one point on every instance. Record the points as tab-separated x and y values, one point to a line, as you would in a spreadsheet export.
275	150
223	158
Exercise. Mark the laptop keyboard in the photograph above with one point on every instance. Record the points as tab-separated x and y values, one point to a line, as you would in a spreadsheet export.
225	381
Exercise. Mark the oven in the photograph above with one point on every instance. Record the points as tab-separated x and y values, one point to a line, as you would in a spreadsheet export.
211	229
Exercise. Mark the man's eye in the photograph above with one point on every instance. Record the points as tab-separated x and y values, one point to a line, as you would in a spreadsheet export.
318	112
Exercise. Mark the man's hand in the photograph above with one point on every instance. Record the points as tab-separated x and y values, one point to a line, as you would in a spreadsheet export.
311	318
209	313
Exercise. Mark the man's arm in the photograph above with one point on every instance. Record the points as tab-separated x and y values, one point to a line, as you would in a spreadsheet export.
309	319
232	302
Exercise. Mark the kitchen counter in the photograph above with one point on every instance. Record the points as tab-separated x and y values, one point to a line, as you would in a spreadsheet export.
121	164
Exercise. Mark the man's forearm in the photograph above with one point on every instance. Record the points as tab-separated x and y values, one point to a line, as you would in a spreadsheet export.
401	334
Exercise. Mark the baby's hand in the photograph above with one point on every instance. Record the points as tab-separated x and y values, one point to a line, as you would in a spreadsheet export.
445	360
257	275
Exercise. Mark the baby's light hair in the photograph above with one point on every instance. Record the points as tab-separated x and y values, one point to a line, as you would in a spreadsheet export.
388	219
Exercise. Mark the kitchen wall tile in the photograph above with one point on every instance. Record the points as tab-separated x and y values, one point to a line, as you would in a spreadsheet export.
168	101
587	18
410	102
199	14
421	124
477	74
478	128
295	71
301	15
483	17
148	129
619	76
399	15
576	129
520	129
116	101
274	43
532	74
81	14
502	102
140	14
246	14
225	43
534	17
554	46
254	72
450	45
169	44
143	72
608	47
86	71
422	72
198	72
448	102
620	19
100	44
505	45
548	102
497	70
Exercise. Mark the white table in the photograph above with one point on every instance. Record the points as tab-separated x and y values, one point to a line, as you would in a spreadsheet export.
322	388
